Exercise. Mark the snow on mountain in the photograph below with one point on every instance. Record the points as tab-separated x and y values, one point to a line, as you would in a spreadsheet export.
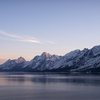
72	54
86	60
77	60
67	60
90	64
43	62
96	50
91	61
20	60
13	65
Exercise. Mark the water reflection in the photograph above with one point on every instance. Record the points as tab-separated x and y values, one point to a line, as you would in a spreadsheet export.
55	78
24	86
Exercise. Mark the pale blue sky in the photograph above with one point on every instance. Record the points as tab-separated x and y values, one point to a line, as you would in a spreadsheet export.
29	27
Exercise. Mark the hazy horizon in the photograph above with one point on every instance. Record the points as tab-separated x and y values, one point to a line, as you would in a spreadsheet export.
30	27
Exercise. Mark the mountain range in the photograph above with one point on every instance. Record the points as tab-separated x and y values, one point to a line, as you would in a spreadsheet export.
86	60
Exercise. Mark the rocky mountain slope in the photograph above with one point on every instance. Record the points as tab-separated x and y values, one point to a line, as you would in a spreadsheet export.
86	60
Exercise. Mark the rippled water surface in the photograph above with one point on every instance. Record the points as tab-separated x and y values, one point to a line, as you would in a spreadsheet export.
28	86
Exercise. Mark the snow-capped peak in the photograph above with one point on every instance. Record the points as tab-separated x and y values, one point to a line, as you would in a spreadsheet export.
20	60
45	54
77	60
96	50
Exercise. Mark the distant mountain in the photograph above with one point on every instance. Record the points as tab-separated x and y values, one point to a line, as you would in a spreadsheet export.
43	62
86	60
13	65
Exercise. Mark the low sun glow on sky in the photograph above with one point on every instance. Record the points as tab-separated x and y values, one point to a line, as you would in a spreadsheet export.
30	27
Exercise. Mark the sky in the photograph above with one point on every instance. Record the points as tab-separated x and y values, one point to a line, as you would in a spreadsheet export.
30	27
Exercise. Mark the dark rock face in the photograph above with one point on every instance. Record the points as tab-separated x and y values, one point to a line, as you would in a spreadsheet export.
87	60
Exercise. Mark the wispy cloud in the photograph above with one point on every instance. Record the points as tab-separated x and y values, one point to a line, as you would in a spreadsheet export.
22	38
25	38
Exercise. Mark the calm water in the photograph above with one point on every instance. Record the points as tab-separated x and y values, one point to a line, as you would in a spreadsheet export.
23	86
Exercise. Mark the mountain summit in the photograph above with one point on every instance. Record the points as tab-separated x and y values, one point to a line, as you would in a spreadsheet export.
86	60
43	62
45	54
20	60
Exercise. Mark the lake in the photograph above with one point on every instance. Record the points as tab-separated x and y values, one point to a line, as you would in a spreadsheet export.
49	86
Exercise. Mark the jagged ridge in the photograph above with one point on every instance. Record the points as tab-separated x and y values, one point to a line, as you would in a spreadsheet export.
86	60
